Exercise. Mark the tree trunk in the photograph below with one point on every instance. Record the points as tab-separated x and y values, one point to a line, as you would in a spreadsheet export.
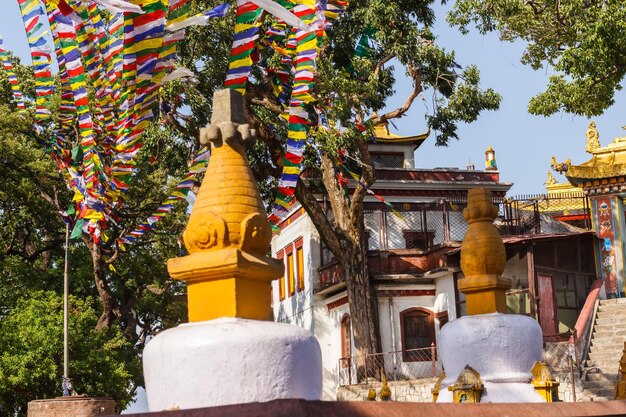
363	303
108	302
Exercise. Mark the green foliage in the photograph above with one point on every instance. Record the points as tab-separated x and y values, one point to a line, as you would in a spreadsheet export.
582	41
31	342
145	299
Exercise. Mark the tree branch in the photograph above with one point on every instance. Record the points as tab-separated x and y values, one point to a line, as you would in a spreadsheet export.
325	228
416	74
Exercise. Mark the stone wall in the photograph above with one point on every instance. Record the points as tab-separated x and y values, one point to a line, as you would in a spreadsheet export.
71	407
417	390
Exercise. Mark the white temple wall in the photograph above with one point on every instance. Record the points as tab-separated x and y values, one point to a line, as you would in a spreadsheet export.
298	308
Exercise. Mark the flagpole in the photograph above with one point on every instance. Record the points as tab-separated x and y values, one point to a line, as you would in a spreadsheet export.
66	373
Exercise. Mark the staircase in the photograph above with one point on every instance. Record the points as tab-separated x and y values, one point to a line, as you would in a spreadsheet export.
605	351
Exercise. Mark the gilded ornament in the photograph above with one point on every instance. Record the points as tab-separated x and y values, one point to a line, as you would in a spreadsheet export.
593	138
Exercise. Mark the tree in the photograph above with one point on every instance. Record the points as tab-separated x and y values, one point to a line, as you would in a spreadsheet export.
141	298
31	342
348	88
583	42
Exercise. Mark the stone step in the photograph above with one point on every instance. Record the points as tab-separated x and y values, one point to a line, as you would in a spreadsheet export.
594	398
609	331
608	326
607	367
604	355
601	377
608	319
610	342
607	306
607	393
612	301
599	385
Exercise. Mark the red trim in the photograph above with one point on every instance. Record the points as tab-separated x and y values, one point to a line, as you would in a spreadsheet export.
405	293
298	242
338	303
280	254
288	249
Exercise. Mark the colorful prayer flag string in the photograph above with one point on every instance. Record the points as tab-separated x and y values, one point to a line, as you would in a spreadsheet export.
33	16
8	67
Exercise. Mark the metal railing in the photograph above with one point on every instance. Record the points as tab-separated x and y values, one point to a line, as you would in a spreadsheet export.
399	365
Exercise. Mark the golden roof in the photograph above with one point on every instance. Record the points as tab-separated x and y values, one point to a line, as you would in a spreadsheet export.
468	377
383	135
606	161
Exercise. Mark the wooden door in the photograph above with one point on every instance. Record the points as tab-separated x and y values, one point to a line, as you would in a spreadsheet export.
547	309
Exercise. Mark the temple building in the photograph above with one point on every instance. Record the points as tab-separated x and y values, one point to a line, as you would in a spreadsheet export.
603	179
408	246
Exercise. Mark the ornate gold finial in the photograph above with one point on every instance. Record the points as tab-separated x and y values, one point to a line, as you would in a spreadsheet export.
385	392
437	387
483	257
468	387
593	138
620	387
544	383
551	180
560	167
228	235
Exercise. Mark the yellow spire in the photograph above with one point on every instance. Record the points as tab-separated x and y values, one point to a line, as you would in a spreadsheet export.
228	235
483	257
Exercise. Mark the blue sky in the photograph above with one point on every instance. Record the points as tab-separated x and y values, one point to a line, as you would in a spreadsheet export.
523	143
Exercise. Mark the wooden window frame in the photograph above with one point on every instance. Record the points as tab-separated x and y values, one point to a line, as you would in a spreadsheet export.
290	273
281	281
346	340
300	268
442	317
418	311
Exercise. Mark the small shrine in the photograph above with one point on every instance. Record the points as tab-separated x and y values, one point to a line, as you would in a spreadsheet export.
603	179
389	150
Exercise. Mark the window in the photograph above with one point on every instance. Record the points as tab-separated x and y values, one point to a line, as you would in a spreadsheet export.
300	268
418	332
291	282
387	160
281	280
346	340
414	239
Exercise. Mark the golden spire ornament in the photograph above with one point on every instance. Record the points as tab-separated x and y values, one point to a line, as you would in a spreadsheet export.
228	236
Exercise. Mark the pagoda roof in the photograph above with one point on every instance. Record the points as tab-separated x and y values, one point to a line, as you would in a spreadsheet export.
382	135
606	161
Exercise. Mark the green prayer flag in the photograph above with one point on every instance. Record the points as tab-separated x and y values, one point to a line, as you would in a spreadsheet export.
71	209
77	155
77	232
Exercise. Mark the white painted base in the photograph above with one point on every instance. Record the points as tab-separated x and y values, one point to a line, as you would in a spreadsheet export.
503	349
231	361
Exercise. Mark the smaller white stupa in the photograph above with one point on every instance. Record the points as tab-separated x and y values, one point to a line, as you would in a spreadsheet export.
487	355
